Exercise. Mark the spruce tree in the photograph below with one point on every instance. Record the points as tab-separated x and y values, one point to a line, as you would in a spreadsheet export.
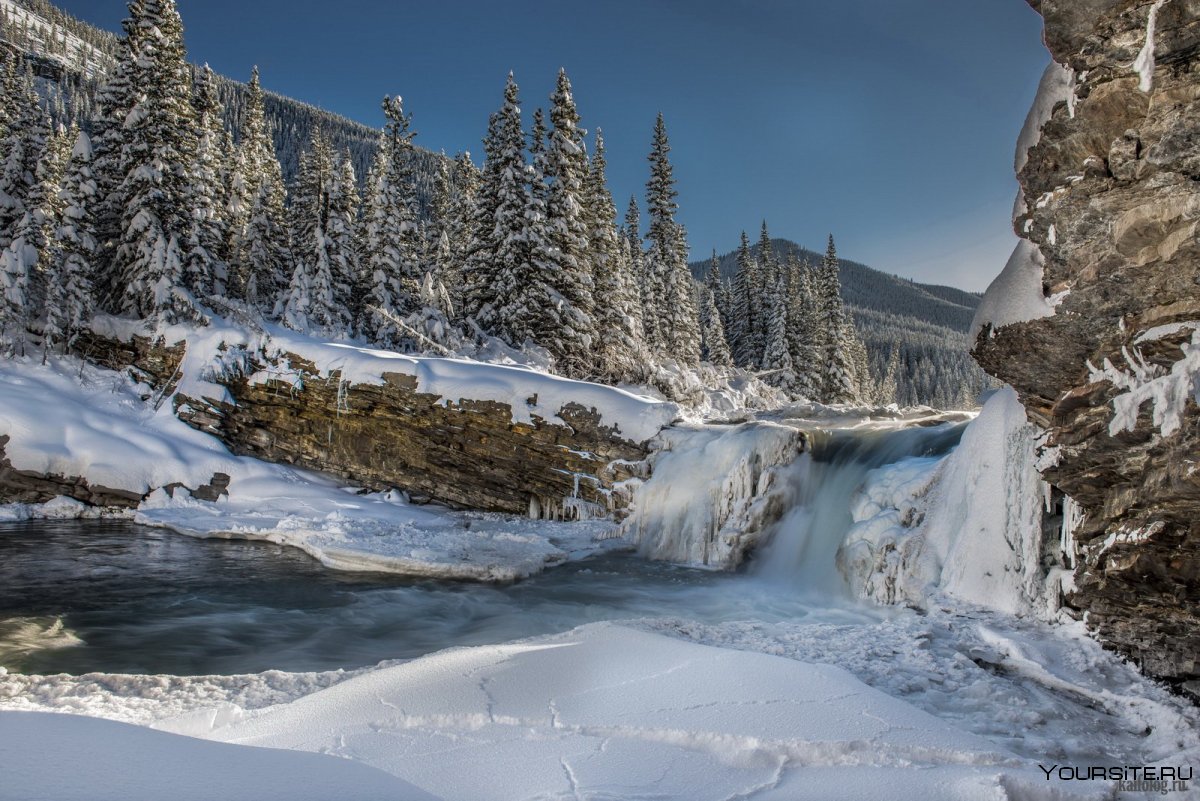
669	280
777	357
258	239
637	269
393	246
111	159
310	303
840	385
746	329
43	209
498	254
154	191
716	347
341	229
70	298
805	334
527	307
768	268
466	188
618	305
20	150
570	334
205	271
438	250
719	289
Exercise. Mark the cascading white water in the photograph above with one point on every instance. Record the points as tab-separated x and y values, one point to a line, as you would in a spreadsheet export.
801	548
717	493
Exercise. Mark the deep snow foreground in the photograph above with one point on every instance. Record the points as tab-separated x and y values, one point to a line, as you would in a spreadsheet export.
938	706
67	758
99	427
610	712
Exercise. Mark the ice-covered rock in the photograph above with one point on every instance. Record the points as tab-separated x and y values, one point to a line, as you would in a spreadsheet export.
712	493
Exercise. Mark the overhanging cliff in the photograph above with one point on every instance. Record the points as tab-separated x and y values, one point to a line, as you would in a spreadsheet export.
1110	197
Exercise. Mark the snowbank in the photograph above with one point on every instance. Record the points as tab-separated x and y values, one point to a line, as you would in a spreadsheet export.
1056	86
99	427
711	492
606	711
1016	295
968	525
68	758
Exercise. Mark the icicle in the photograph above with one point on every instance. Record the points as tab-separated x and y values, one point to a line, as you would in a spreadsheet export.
1144	63
1073	517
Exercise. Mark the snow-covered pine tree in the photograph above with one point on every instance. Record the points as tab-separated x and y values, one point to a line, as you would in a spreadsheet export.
392	246
9	89
256	220
429	325
388	300
777	357
70	299
310	303
841	385
498	253
888	390
671	285
805	333
43	208
720	291
768	266
617	302
27	263
154	192
745	332
462	205
570	337
525	306
637	269
438	251
20	150
715	344
266	255
205	271
349	288
111	155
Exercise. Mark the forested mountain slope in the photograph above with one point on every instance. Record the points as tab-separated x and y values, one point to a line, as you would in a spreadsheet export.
926	322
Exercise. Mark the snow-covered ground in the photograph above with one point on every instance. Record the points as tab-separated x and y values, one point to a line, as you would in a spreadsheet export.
939	706
99	427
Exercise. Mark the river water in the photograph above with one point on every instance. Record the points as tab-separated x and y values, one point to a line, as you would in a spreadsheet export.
114	597
143	600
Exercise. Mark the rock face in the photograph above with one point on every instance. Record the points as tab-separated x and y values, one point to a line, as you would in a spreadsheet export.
468	454
1111	196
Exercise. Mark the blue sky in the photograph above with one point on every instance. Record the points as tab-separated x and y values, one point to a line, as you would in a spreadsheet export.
890	123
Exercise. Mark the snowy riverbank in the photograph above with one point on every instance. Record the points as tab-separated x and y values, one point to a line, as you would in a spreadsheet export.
98	427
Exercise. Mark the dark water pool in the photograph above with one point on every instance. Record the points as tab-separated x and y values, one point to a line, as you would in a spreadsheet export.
113	597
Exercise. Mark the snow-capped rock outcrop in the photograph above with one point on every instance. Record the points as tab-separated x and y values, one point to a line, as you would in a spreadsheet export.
1111	201
471	435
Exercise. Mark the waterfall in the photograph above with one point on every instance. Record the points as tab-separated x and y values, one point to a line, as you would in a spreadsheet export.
718	493
801	549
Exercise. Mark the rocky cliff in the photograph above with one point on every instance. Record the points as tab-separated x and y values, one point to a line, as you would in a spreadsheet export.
438	429
1111	199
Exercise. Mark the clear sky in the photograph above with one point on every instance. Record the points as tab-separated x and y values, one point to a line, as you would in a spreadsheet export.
890	123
